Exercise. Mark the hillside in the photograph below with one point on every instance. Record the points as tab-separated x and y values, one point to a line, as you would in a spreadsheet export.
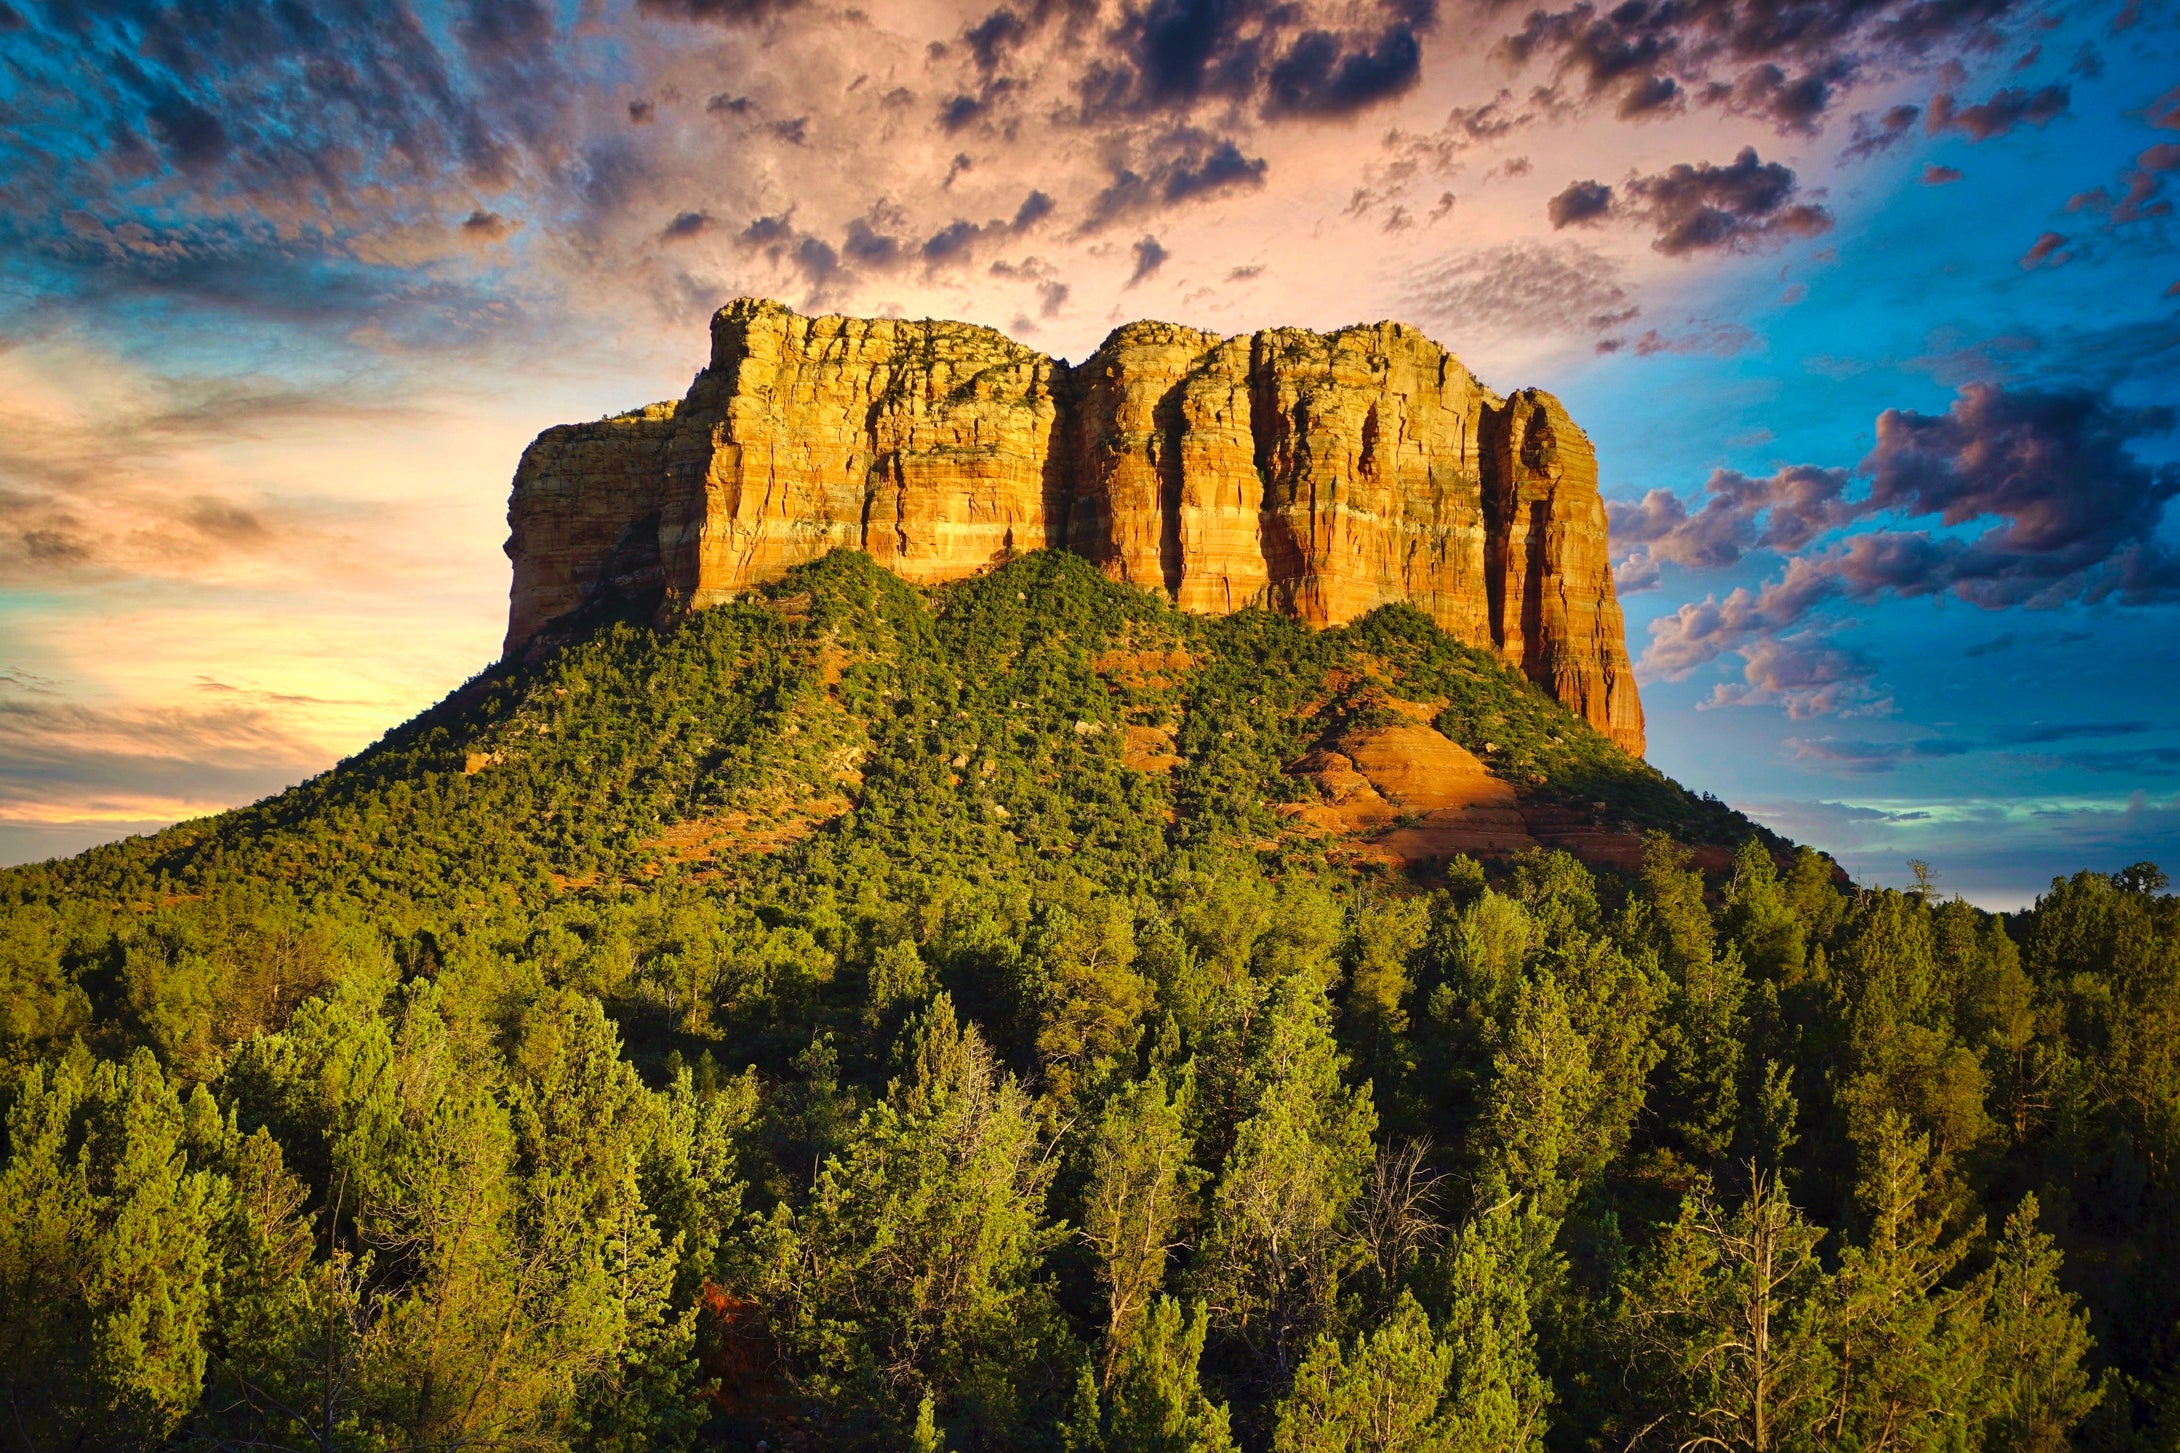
1016	1013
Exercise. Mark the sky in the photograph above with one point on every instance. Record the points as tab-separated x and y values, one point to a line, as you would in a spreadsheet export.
1871	308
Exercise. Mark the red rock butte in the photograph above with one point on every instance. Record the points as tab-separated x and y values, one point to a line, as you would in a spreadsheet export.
1319	475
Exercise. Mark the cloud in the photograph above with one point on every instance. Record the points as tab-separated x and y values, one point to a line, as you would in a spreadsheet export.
2078	512
1324	74
1873	136
685	225
1522	289
109	473
717	12
1805	675
2009	107
1192	167
1744	206
1740	207
2141	762
1149	257
66	761
1869	757
1714	337
1786	63
1783	512
1580	202
2045	251
2072	731
2069	513
1280	59
1937	176
2141	189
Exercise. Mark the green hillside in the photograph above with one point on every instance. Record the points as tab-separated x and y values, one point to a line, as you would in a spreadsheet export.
864	1017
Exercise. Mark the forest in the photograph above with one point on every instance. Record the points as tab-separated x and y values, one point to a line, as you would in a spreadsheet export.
812	1026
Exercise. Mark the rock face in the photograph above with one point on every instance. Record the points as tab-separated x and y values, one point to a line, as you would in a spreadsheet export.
1319	475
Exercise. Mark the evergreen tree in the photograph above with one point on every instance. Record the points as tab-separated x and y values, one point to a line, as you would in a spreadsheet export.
1138	1197
2035	1341
110	1221
1282	1211
1723	1330
913	1267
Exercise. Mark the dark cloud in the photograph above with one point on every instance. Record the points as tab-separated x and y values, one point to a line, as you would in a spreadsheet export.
1740	207
1793	104
717	12
959	112
869	246
289	161
1873	135
1937	176
2008	108
2140	762
1034	209
1280	58
694	224
1992	647
1579	202
642	113
1190	166
2078	512
990	38
1321	75
2075	515
951	242
1786	61
765	231
1149	257
194	139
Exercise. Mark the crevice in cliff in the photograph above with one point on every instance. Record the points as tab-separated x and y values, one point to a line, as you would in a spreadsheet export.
1170	422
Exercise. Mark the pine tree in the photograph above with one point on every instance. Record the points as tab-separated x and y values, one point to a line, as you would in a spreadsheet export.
2035	1340
1282	1211
1155	1403
110	1220
1140	1187
1722	1328
1387	1392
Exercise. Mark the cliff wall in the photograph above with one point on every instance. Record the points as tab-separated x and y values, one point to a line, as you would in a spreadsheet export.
1319	475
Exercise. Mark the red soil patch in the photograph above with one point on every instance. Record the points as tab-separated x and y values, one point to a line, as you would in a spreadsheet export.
1144	670
1414	797
1149	749
741	833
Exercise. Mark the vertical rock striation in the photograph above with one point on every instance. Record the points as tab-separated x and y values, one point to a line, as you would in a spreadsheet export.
1319	475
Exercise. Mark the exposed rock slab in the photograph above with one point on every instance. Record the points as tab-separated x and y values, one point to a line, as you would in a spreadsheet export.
1322	475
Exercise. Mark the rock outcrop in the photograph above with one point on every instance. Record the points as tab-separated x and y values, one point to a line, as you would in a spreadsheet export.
1319	475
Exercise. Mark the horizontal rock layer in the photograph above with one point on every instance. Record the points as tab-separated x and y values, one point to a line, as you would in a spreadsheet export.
1318	475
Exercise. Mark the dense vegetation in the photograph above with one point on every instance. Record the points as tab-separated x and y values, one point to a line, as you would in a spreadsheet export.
803	1026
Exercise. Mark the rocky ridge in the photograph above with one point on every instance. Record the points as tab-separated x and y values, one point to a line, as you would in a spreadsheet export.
1320	475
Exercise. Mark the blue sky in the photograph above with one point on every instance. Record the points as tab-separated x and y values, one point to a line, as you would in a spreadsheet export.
1871	307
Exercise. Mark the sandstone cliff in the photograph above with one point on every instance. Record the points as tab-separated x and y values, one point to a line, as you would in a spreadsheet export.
1320	475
